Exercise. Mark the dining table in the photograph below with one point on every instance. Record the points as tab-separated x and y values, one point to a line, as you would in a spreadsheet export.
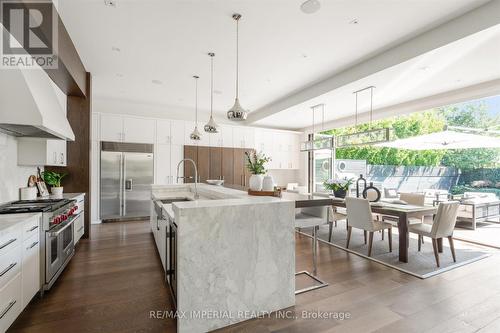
400	211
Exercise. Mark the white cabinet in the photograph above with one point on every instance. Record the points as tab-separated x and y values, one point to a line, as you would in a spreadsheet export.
79	225
35	151
243	137
111	128
20	268
177	132
167	158
117	128
188	129
138	130
215	139
162	242
227	136
163	134
282	147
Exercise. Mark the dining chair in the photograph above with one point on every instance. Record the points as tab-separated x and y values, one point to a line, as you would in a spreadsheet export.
442	227
415	199
306	218
359	215
334	215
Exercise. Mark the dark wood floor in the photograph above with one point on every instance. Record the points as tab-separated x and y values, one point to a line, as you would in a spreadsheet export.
115	280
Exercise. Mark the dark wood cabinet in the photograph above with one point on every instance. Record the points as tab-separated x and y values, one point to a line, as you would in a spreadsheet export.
215	171
217	163
203	164
227	165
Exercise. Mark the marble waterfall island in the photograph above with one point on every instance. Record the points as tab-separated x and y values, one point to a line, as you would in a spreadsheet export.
234	254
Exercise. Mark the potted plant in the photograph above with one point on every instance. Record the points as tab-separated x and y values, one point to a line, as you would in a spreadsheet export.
54	180
339	187
255	164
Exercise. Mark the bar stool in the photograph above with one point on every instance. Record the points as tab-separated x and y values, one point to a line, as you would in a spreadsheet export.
307	218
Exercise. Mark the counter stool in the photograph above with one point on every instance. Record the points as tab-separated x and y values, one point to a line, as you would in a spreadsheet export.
306	218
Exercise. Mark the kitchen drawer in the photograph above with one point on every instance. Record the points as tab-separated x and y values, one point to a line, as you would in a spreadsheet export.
10	303
30	269
79	228
80	202
31	228
10	240
10	265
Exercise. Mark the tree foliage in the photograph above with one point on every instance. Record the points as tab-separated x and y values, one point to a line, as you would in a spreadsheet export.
471	115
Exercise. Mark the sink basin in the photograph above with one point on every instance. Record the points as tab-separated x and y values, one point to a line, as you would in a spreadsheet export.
170	200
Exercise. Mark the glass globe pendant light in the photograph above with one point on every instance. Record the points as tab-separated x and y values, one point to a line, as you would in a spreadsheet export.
237	113
211	126
195	135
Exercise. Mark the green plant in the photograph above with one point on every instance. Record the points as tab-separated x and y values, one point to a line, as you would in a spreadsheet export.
338	184
255	162
53	178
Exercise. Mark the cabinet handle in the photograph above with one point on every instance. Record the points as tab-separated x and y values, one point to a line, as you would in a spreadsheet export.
4	312
8	269
4	245
32	246
33	228
55	157
80	229
62	158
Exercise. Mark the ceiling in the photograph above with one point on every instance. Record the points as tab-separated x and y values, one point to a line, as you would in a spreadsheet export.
147	51
469	61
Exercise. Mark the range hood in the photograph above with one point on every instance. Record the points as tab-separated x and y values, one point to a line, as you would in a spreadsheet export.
31	105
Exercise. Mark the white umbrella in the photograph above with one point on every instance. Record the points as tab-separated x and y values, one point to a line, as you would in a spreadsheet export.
444	140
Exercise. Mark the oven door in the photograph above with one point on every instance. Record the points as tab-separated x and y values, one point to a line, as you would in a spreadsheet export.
59	246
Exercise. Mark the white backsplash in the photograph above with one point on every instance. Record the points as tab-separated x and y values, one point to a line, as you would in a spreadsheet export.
283	177
12	176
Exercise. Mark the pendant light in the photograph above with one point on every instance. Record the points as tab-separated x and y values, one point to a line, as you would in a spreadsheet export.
369	137
195	135
318	141
237	113
211	126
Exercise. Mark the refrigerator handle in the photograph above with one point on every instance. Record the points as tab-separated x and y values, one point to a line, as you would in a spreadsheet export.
121	194
128	185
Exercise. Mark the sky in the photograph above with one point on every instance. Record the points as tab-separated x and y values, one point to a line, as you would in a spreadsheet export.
492	104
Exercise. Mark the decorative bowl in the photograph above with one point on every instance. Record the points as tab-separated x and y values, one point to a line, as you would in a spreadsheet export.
216	182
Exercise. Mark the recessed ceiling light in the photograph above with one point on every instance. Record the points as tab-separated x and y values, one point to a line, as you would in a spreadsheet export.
156	82
110	3
310	6
354	21
119	74
116	49
304	55
423	68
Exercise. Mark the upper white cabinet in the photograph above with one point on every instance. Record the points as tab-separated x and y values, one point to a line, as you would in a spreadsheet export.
188	129
163	134
111	128
243	137
282	147
35	151
177	132
227	136
117	128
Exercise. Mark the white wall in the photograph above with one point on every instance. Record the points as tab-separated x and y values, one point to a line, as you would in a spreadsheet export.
12	176
283	177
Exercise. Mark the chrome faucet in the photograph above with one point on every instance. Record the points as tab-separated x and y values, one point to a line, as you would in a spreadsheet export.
196	196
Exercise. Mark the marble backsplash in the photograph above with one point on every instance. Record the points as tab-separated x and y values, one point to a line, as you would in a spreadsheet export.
12	176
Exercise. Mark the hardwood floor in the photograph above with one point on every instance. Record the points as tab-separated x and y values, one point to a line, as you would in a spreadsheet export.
115	279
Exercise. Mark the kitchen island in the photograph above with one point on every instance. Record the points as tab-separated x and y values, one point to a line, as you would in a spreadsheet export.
228	256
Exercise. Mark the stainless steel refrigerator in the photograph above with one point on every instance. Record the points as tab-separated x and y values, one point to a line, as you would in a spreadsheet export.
126	178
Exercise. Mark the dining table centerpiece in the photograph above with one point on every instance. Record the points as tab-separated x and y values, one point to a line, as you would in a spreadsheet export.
339	186
256	165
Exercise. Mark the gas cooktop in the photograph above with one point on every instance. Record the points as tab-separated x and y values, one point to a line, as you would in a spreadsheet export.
32	206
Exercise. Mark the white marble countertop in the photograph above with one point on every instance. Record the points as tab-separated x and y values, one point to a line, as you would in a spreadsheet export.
8	221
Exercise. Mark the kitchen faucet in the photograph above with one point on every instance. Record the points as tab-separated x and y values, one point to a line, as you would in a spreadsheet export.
196	196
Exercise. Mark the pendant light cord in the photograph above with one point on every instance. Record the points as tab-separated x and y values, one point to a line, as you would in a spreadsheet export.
196	100
371	107
356	114
211	83
237	55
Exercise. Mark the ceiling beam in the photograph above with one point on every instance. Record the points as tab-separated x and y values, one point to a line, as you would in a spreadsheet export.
477	91
474	21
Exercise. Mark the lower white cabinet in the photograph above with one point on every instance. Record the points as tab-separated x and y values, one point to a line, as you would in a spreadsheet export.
79	227
19	268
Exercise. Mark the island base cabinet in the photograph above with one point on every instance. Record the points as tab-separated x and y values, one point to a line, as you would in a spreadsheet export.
10	302
31	269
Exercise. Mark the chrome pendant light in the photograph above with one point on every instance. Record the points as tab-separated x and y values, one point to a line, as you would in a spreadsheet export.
195	135
211	126
237	113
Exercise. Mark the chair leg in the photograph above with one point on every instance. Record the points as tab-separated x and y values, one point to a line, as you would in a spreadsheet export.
349	230
335	223
383	232
346	223
330	233
364	234
370	243
389	234
419	243
436	253
452	248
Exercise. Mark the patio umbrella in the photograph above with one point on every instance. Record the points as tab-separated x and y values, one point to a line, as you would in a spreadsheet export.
444	140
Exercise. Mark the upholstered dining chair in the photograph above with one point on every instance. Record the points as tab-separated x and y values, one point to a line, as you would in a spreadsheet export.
359	215
415	199
442	227
334	215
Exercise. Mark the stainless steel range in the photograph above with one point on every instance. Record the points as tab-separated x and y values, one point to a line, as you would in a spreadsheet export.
56	235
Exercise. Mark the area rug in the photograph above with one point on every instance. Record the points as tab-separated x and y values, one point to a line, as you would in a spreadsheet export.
420	264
